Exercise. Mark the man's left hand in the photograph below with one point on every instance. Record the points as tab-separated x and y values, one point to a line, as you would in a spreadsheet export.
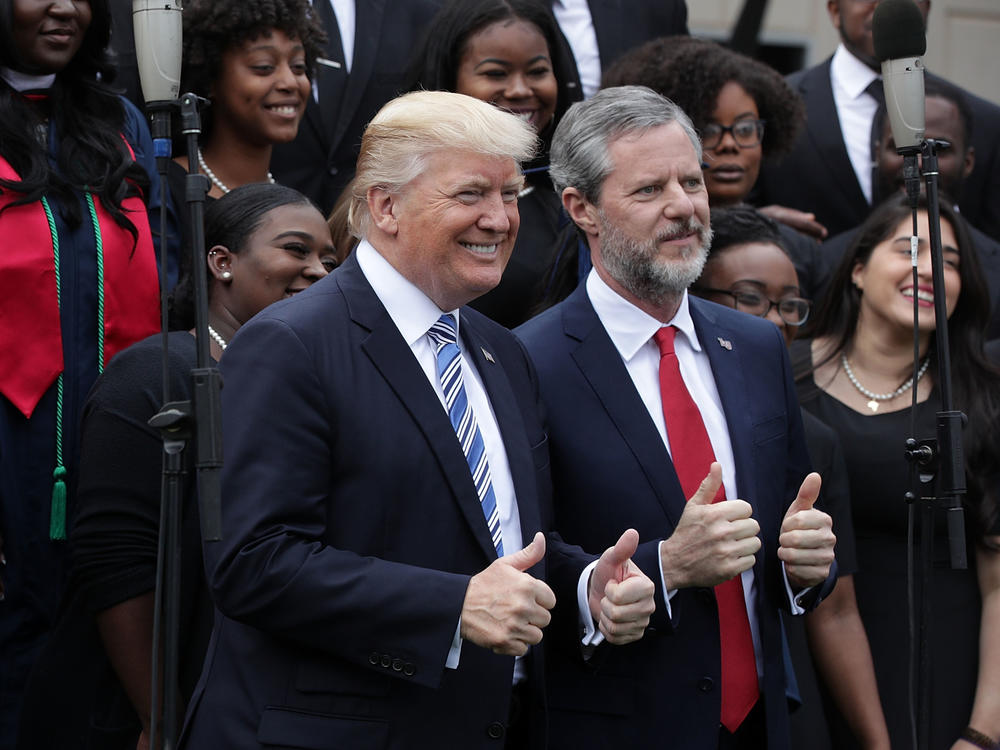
806	541
621	595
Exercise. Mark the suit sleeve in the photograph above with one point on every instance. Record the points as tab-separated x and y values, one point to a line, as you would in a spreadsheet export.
275	568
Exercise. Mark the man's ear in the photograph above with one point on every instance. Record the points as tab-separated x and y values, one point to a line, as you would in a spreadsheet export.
381	206
581	211
969	162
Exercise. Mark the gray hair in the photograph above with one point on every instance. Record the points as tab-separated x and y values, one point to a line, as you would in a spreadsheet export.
579	155
406	131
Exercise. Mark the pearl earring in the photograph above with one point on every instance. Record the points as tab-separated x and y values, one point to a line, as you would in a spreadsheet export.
227	275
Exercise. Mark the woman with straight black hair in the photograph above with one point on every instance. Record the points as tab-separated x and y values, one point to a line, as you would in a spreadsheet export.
507	53
78	283
860	382
266	242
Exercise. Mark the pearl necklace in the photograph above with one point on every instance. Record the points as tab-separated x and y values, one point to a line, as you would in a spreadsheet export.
215	180
217	338
875	398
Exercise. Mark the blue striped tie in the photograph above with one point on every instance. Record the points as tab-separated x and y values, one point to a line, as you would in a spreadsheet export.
449	365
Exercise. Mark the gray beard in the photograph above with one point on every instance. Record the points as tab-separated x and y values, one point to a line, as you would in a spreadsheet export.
637	266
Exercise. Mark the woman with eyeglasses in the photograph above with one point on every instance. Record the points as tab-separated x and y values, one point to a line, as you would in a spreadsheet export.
749	269
861	384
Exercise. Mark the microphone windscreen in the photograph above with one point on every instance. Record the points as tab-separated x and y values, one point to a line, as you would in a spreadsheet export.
898	30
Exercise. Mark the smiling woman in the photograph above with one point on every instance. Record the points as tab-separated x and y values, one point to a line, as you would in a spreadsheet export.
252	59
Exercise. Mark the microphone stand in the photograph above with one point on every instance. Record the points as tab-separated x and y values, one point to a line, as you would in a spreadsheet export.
178	422
939	459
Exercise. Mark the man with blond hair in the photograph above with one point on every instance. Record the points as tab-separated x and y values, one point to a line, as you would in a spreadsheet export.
380	581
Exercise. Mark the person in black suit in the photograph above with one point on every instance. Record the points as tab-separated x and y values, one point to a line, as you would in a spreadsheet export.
347	93
383	471
831	176
613	380
598	32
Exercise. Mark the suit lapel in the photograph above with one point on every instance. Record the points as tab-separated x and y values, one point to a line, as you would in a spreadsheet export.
823	129
394	360
601	365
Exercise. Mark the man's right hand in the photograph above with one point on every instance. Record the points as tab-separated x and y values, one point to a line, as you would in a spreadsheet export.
505	609
712	542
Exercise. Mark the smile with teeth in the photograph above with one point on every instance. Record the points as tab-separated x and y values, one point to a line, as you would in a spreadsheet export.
921	295
284	109
482	249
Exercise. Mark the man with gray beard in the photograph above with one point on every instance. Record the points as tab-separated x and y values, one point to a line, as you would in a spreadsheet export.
655	397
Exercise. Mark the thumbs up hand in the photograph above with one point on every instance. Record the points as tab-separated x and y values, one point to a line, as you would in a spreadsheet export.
712	542
806	541
621	595
505	608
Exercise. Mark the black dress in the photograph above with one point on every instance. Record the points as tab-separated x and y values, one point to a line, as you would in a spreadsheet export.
879	475
74	698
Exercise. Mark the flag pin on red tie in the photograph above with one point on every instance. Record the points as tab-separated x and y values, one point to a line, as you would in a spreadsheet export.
489	357
726	344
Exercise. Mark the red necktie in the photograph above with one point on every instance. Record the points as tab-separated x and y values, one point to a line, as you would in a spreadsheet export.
686	428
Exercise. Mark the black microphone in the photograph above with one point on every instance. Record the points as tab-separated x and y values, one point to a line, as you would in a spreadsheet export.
900	42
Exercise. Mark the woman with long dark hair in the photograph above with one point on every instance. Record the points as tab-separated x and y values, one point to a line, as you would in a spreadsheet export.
860	383
508	53
78	283
265	243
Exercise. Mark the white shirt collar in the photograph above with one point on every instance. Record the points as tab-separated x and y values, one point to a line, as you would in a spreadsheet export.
411	310
848	72
628	326
24	82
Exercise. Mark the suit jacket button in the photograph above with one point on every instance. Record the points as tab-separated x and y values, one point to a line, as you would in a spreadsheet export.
386	661
333	171
495	730
706	684
397	665
409	670
373	658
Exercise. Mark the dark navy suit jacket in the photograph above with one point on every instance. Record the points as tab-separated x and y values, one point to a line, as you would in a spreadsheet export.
351	528
611	470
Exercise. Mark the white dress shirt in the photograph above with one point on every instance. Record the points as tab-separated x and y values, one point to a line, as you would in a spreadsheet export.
344	11
631	331
573	17
856	110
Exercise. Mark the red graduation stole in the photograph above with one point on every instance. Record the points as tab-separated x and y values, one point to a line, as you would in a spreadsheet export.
31	351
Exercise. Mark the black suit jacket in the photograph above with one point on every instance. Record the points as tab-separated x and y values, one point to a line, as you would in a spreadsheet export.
321	160
351	527
621	25
662	691
817	175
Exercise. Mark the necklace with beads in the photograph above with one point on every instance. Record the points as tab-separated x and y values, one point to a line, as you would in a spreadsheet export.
215	180
874	399
217	338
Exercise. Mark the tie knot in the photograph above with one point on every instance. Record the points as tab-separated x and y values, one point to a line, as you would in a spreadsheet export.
664	339
443	330
875	90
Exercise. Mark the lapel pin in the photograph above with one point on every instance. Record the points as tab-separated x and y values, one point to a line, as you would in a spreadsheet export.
726	344
489	357
328	63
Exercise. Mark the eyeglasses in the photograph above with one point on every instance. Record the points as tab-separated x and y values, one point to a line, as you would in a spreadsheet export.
793	310
747	133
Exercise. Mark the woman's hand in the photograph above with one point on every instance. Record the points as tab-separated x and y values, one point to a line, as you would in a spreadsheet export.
797	220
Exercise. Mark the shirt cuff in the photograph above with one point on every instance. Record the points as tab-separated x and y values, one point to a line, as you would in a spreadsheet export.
455	652
794	600
668	594
591	635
